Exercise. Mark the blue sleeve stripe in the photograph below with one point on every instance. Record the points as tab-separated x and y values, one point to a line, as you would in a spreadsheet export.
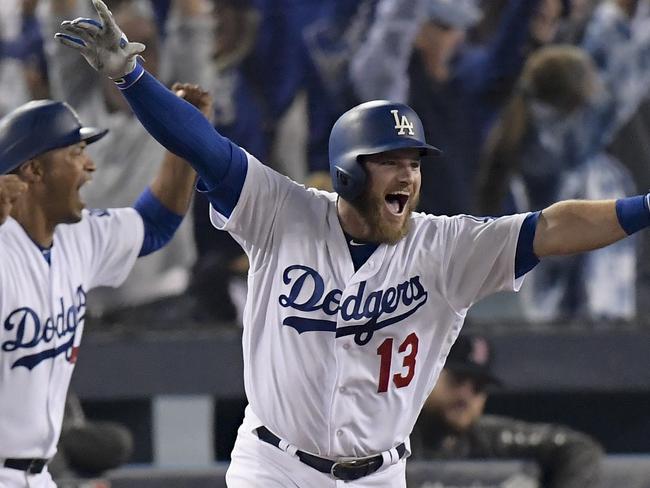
183	130
633	213
160	223
525	258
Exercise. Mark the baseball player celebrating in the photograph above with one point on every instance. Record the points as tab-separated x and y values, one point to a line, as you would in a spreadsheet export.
53	252
354	299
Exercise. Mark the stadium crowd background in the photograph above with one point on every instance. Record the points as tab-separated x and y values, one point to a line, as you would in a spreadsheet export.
531	101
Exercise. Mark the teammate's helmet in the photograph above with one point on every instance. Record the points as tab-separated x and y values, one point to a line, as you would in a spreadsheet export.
371	128
37	127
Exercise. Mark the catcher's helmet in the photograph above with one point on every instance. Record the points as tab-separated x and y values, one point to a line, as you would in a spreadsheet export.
371	128
37	127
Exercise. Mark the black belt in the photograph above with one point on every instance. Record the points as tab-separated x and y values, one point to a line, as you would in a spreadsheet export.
32	466
342	470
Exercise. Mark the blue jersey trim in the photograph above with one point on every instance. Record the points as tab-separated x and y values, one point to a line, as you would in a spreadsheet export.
359	251
525	258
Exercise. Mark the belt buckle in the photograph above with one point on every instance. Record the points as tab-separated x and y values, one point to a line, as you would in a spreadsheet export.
350	470
35	466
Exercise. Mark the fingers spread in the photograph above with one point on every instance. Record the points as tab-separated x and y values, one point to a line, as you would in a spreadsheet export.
85	20
106	17
91	26
78	32
69	41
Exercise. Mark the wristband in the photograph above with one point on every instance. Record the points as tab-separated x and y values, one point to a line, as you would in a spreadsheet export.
633	213
130	78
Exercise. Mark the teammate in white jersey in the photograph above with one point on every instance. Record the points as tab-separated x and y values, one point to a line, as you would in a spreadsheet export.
354	299
53	252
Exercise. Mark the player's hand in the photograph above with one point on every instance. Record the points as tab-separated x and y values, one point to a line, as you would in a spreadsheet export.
11	187
103	44
195	95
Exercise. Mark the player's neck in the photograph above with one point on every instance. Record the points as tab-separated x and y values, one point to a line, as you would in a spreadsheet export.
33	218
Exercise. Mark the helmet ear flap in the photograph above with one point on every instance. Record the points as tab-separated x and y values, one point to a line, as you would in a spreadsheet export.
348	179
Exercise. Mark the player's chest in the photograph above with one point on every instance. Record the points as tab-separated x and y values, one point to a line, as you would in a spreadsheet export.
314	293
42	309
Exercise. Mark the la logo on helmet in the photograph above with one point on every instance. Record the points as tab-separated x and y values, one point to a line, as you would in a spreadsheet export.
402	124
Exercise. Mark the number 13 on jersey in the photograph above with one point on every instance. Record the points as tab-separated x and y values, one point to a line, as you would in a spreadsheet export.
408	351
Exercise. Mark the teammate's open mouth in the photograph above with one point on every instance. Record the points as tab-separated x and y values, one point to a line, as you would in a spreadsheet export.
396	202
83	182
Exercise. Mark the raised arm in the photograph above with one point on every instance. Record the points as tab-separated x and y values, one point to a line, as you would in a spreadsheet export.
176	124
163	205
174	183
575	226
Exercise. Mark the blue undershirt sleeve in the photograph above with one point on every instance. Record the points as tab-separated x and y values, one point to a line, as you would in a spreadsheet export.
525	258
160	223
633	213
183	130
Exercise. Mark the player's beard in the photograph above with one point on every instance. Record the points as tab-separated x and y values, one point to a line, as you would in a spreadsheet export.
370	207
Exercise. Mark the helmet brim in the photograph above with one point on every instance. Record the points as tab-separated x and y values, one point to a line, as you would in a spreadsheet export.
429	151
426	150
91	134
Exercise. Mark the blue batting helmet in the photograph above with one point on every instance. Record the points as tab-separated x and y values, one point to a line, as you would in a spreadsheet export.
37	127
371	128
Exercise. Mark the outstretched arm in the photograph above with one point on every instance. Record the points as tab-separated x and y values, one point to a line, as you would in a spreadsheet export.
163	205
575	226
174	183
176	124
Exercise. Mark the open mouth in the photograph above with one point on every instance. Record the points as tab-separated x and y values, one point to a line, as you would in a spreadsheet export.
396	202
83	182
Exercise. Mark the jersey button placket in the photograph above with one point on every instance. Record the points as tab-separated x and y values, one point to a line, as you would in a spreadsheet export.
343	351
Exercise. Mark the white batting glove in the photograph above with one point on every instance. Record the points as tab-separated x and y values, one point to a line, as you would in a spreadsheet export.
103	44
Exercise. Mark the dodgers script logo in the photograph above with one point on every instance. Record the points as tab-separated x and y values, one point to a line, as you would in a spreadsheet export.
31	330
402	124
307	294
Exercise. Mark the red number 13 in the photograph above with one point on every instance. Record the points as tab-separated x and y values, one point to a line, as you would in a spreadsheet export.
385	351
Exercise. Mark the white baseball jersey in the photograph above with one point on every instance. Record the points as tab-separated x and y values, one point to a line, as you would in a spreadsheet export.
338	362
42	310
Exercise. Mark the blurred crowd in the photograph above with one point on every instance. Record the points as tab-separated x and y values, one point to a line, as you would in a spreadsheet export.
531	101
